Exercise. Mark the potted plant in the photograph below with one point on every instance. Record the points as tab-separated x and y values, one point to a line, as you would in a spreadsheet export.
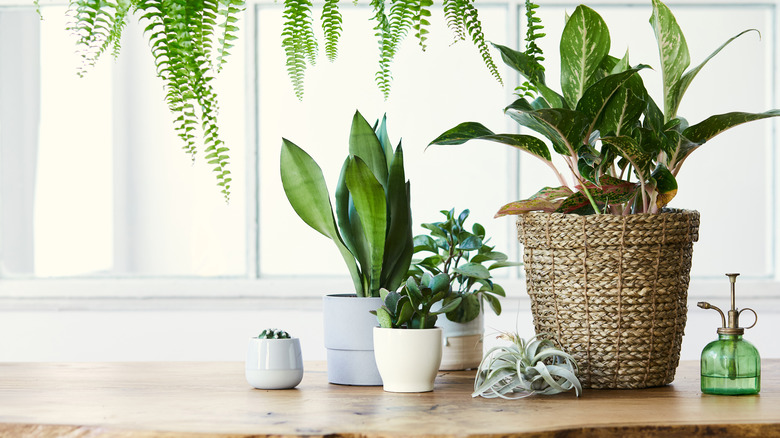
274	360
607	265
467	259
407	343
372	229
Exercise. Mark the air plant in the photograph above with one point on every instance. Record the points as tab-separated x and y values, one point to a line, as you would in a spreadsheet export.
524	368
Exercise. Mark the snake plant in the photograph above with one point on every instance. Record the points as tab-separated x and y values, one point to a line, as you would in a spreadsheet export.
190	40
466	258
524	368
411	307
394	20
372	227
622	151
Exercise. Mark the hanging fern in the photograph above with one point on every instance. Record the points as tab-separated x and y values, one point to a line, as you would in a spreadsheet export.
420	19
392	28
532	50
181	35
331	27
463	20
298	41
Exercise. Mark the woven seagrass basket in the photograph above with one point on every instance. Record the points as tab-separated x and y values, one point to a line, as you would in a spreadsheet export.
612	290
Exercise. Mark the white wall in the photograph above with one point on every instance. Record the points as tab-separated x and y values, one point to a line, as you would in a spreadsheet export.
77	336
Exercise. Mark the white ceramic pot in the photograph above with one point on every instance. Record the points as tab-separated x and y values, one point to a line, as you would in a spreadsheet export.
462	348
274	363
408	359
348	339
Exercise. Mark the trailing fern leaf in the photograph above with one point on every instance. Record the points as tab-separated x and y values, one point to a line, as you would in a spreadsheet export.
298	41
422	13
532	50
331	26
474	28
181	35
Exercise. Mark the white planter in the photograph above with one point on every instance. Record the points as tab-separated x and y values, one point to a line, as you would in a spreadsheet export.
274	363
408	359
349	341
462	348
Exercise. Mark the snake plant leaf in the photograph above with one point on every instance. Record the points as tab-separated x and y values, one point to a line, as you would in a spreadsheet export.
384	140
666	185
524	65
477	131
585	42
349	223
597	96
399	245
673	51
564	128
305	188
679	87
473	270
364	143
370	204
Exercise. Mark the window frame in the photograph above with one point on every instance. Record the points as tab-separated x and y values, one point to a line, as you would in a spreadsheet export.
253	290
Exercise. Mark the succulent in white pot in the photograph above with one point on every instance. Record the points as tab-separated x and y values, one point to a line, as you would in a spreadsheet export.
407	344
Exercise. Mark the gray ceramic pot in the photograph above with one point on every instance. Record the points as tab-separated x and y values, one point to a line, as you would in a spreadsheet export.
349	339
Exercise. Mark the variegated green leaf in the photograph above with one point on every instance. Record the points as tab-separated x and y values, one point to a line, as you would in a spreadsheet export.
665	185
678	89
584	44
564	128
610	191
523	64
631	150
476	131
714	125
597	96
673	51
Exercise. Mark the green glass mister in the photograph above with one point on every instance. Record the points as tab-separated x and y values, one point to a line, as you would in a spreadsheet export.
730	365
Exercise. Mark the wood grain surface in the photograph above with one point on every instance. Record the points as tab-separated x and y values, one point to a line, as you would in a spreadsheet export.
213	399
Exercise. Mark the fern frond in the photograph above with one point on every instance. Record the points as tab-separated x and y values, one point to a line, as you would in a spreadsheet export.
420	20
228	10
532	50
331	26
97	25
392	28
474	28
382	28
453	13
298	41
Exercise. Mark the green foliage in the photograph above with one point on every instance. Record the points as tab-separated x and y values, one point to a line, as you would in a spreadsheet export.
467	260
372	227
274	334
298	40
411	306
525	368
622	151
394	20
181	35
532	49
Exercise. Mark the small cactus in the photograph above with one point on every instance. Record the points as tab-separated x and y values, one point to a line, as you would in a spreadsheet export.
274	334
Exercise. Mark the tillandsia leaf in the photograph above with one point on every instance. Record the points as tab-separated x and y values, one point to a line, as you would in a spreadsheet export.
304	186
678	88
476	131
525	65
584	44
564	128
666	185
673	51
371	205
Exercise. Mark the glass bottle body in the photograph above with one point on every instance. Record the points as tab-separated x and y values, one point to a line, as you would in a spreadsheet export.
730	366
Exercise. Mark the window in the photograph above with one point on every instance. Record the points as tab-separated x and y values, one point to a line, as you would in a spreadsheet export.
95	186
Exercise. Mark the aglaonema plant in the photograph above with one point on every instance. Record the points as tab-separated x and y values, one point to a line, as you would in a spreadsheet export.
622	151
372	225
412	306
466	258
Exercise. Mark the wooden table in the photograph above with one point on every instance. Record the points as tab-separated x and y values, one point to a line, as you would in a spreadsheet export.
213	399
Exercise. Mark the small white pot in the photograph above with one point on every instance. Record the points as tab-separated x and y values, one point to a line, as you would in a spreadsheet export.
274	363
408	359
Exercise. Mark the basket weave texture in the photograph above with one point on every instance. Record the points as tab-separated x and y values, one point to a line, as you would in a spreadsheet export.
612	290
